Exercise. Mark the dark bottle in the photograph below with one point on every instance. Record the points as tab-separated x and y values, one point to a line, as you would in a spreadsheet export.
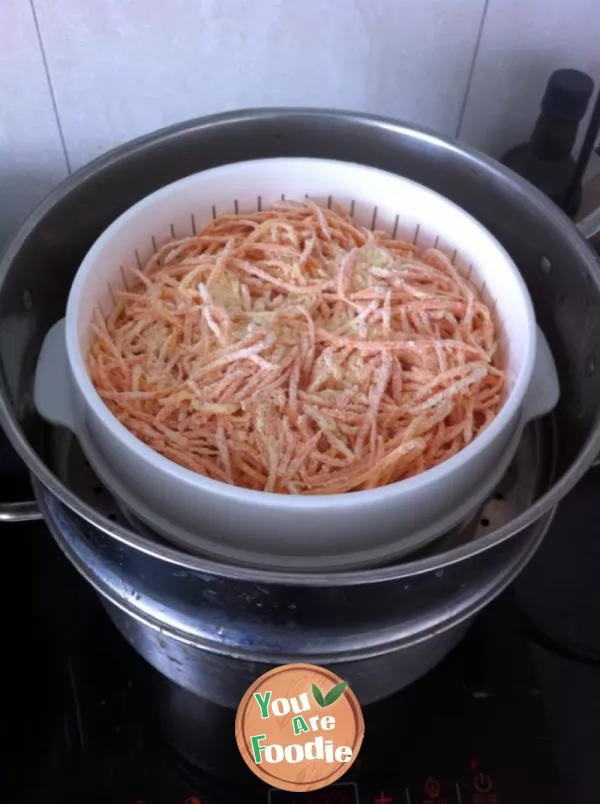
546	159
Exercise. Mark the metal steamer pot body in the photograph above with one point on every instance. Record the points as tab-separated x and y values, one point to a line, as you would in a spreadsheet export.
214	634
182	611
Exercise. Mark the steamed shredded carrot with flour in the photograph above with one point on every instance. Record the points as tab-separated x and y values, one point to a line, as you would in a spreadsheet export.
292	351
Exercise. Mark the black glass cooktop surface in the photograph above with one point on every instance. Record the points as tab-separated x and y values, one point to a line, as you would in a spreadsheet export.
512	716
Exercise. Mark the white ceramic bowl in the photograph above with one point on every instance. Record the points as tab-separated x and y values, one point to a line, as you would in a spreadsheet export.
285	531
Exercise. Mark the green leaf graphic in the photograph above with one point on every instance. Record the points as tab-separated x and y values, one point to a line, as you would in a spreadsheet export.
318	695
334	693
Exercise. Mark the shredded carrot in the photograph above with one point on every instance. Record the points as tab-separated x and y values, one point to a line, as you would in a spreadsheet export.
292	351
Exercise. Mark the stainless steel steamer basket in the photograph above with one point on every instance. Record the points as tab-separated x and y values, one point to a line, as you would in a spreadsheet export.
164	599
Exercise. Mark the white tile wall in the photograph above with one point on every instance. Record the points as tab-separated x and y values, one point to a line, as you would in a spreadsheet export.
31	156
121	68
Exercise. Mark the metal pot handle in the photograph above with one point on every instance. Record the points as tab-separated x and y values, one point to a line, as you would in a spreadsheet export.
590	225
19	512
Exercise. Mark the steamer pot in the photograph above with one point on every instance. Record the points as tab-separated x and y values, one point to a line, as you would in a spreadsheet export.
242	615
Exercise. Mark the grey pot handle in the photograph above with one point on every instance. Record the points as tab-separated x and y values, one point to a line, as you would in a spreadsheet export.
53	390
51	386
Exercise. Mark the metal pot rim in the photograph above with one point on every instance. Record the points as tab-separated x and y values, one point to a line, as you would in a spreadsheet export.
176	557
451	619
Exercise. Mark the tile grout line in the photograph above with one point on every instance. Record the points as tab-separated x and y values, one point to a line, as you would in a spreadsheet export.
50	87
463	108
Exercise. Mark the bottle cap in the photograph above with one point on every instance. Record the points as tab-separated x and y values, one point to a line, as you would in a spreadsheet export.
567	95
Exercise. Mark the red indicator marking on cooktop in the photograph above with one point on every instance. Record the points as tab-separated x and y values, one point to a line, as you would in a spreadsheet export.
474	763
